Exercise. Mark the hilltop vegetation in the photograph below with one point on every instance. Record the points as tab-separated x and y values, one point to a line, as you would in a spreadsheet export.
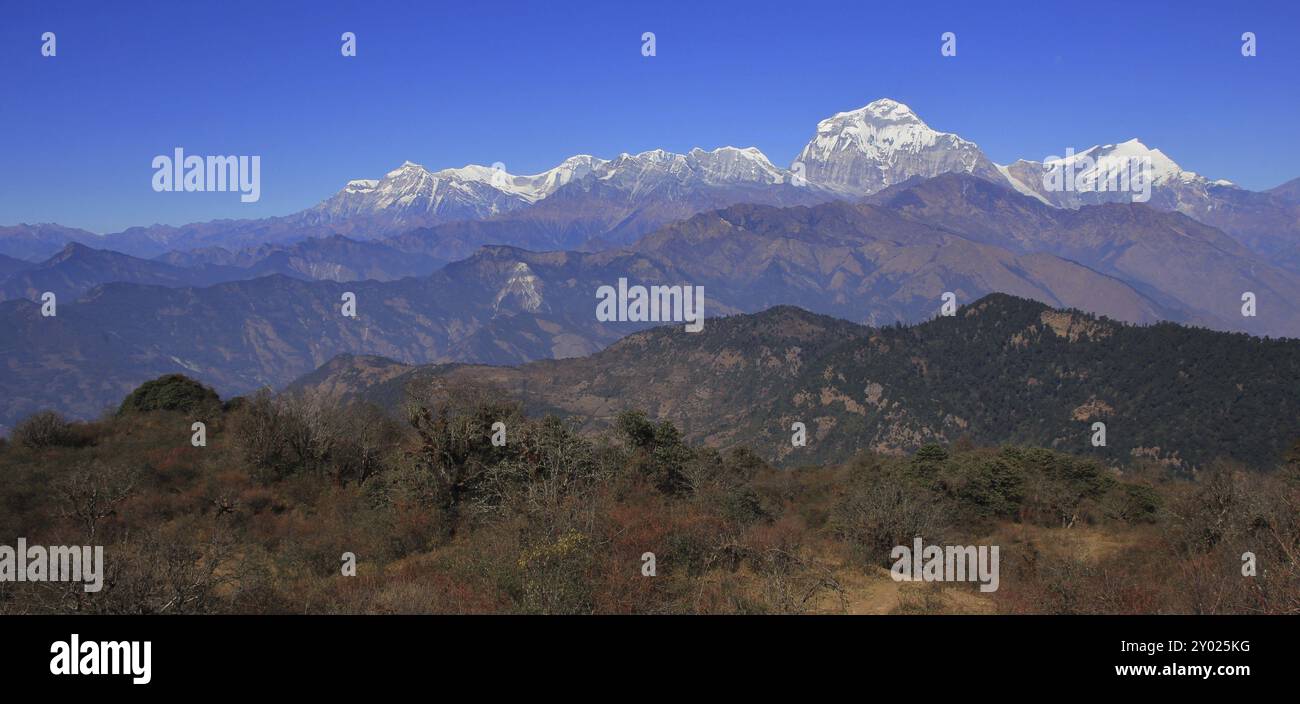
441	519
1002	370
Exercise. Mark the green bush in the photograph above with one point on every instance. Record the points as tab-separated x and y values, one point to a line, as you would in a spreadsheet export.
1059	489
173	392
993	487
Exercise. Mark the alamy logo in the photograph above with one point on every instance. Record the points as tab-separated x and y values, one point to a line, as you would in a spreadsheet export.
1113	174
214	173
56	563
655	304
122	657
951	563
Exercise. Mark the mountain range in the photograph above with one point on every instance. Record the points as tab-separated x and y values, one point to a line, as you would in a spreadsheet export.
77	268
589	203
1001	370
878	217
875	263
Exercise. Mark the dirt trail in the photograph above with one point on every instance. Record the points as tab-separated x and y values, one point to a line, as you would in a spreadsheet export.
876	592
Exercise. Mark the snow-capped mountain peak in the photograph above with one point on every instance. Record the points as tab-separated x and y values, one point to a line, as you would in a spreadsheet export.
538	186
881	144
735	165
1162	168
575	167
852	154
723	166
411	194
1104	173
882	109
408	168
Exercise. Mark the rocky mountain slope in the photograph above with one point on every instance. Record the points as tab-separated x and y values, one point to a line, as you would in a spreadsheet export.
1196	271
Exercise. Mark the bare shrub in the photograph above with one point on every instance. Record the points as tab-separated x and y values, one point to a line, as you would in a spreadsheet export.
313	432
44	429
93	491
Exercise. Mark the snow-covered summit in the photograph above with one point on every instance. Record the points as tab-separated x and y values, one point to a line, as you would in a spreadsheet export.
1162	168
852	153
881	144
411	192
724	166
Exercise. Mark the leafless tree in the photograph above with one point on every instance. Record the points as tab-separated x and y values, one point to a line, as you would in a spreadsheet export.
93	491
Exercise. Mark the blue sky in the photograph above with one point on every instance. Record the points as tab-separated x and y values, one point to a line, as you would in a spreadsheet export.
527	84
